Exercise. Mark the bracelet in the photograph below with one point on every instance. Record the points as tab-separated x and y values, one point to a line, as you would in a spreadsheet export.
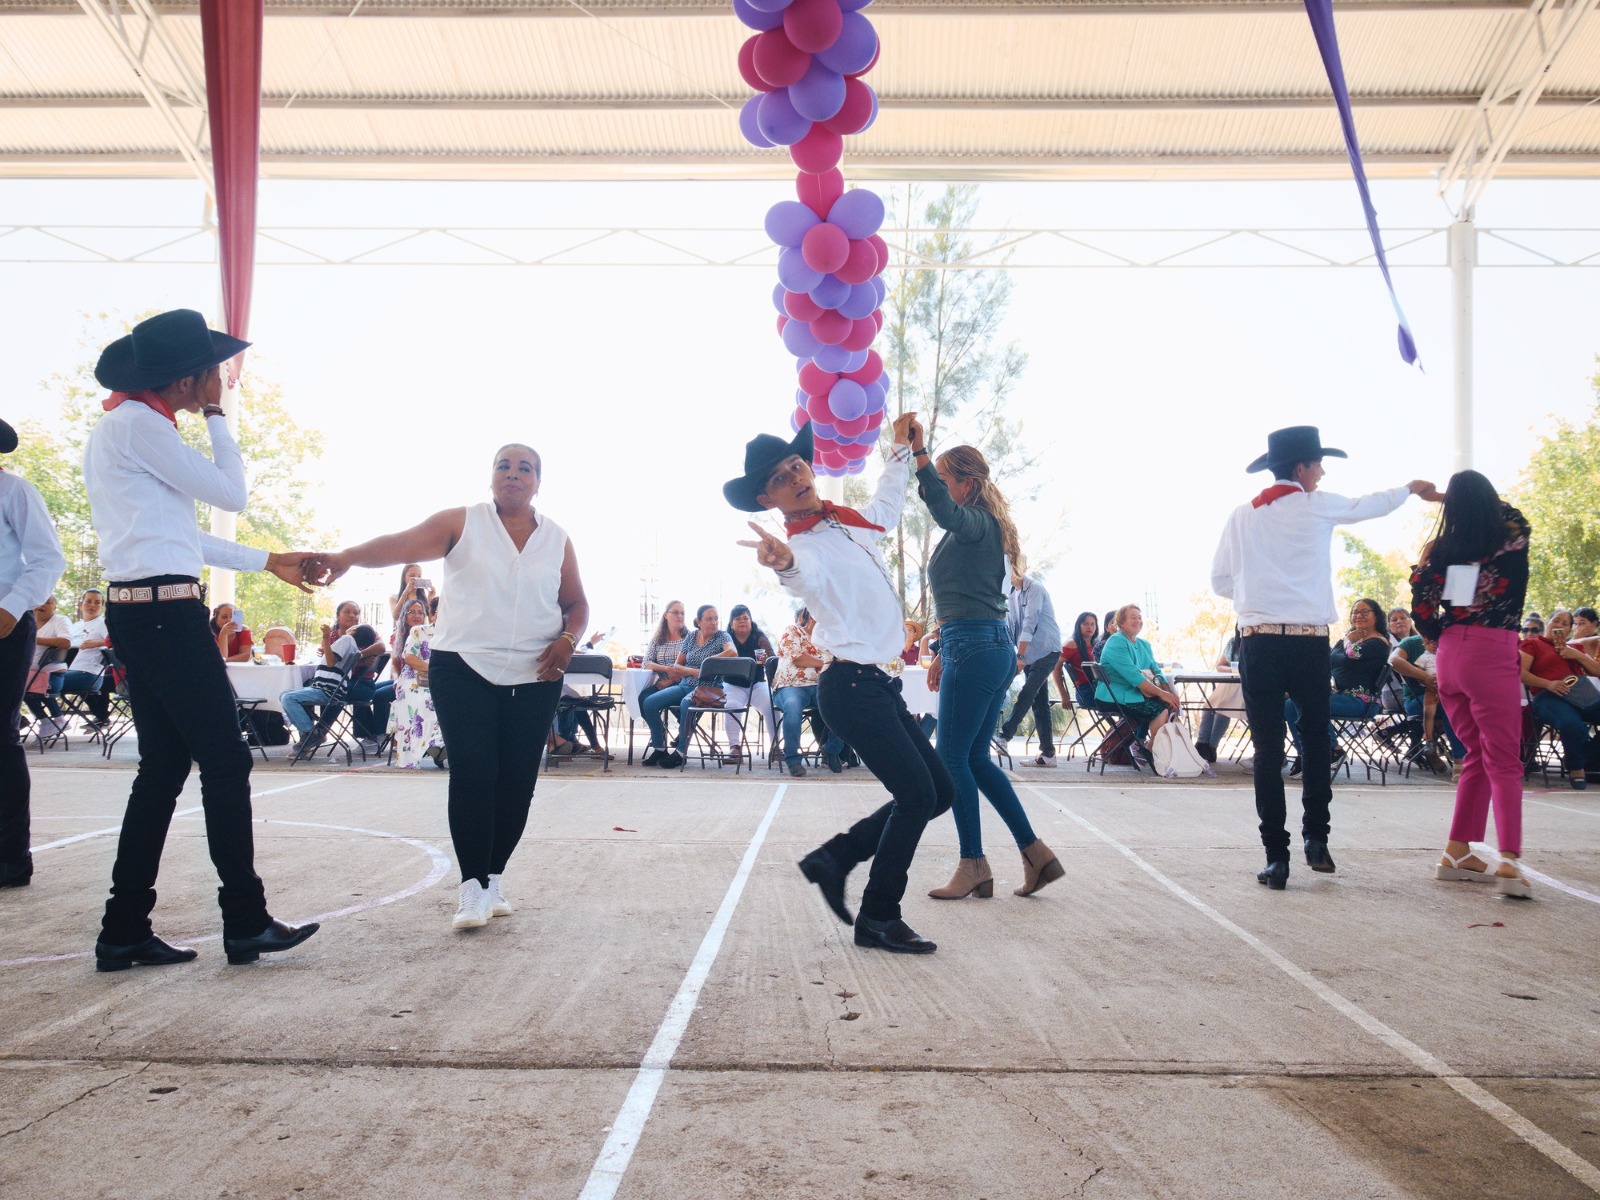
914	453
572	640
212	410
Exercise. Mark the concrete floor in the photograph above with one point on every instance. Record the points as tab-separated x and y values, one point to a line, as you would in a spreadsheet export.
1155	1024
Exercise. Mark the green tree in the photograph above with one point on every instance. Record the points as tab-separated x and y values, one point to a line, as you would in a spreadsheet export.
1371	575
1556	492
941	323
279	455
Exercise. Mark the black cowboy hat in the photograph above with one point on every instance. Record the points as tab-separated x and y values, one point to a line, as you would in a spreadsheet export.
169	346
761	454
1298	444
8	438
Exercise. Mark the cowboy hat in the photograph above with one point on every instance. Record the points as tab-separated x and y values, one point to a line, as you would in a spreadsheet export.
761	454
169	346
8	438
1296	444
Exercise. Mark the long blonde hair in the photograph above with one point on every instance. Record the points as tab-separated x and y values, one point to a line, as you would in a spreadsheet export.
967	462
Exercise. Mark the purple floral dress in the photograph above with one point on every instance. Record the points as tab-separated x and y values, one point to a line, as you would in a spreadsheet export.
412	719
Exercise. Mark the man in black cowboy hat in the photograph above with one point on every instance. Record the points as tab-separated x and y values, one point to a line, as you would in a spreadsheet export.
832	562
30	563
1275	564
143	482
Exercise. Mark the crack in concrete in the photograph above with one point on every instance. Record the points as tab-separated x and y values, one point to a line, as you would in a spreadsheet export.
1078	1188
827	1026
99	1087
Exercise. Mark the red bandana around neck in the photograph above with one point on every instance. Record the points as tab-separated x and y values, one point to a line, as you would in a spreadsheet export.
841	514
1276	492
149	398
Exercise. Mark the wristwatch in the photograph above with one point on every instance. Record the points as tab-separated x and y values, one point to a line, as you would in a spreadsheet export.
212	410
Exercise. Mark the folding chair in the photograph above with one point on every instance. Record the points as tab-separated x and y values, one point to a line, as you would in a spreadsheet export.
736	672
75	705
121	711
1123	721
1362	738
589	680
332	719
43	740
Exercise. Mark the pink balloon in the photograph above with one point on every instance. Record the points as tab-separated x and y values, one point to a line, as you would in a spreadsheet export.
813	25
814	381
871	64
855	451
747	68
782	321
801	306
881	247
853	428
877	318
798	418
860	265
869	370
825	248
856	112
776	60
820	410
818	151
818	192
831	327
861	336
832	457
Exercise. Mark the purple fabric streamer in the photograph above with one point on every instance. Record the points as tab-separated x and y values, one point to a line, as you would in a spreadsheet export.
1321	14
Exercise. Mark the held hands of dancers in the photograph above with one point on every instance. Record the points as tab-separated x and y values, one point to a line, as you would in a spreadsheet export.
1426	490
294	567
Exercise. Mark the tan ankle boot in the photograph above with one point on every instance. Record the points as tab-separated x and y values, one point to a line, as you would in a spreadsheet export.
972	875
1039	867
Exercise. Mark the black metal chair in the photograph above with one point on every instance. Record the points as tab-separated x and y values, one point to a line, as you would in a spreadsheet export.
1125	723
44	738
736	672
1367	739
332	720
587	692
119	707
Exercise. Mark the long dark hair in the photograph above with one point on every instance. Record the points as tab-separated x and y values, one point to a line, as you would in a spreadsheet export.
1378	616
743	610
1472	523
400	589
1085	646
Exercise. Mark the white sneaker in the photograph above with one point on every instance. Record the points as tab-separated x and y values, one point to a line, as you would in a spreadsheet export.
1045	760
473	909
499	906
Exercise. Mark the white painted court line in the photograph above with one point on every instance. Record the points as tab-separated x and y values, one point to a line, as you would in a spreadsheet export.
1489	855
1575	1165
1582	812
628	1127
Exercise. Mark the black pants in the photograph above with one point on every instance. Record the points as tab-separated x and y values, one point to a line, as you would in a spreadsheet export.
1271	667
16	660
862	705
495	735
183	713
1035	695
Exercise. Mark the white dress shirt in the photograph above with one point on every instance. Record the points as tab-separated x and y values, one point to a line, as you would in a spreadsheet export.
30	553
841	576
56	627
142	483
1275	562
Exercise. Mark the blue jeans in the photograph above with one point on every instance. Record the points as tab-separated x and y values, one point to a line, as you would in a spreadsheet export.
294	706
1339	705
82	683
793	701
658	701
1414	708
1571	723
977	662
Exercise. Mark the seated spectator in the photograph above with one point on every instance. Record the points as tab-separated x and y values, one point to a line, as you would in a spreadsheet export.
1222	700
1532	625
232	638
795	690
411	584
1585	630
1134	680
1106	631
748	642
1356	664
278	642
665	645
54	633
703	642
911	652
1412	660
1079	649
412	719
83	675
1400	626
1555	675
354	654
570	721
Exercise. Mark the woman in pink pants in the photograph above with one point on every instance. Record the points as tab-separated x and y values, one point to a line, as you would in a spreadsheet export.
1479	670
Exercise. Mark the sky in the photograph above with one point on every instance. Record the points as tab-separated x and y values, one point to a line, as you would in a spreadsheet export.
1147	390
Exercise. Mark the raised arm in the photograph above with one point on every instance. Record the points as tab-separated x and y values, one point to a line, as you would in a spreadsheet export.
434	538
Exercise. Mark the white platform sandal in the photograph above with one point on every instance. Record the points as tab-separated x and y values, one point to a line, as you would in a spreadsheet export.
1452	869
1514	886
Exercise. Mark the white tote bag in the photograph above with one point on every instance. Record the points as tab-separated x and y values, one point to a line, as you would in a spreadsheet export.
1174	756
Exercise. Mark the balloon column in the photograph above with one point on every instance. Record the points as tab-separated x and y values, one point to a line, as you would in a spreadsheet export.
805	62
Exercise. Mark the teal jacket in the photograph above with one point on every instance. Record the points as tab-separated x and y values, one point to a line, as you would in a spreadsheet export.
1124	661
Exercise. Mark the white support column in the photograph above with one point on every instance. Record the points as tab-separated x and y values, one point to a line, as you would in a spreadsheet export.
223	524
1463	240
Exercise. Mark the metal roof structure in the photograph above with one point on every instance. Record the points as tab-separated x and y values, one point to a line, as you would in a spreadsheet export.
970	89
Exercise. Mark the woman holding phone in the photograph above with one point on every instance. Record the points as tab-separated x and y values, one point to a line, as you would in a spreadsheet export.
413	586
233	639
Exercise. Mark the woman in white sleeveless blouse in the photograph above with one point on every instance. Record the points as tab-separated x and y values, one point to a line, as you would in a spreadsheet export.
511	611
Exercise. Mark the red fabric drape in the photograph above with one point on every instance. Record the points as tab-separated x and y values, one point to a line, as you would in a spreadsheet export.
231	33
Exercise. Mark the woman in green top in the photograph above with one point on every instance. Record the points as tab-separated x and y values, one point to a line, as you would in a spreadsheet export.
1134	678
968	574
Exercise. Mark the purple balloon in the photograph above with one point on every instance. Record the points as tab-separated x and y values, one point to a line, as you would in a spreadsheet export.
755	18
857	359
778	293
769	6
859	212
800	397
819	95
829	358
797	337
794	422
856	467
750	126
847	399
853	50
861	301
819	430
778	121
794	274
788	220
880	288
850	6
830	291
877	392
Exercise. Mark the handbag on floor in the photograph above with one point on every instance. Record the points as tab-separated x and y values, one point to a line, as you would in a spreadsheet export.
1174	755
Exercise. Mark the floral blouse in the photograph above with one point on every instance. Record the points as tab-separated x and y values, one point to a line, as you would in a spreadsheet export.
1356	669
1502	586
795	641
